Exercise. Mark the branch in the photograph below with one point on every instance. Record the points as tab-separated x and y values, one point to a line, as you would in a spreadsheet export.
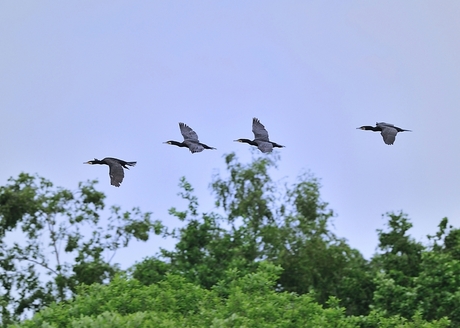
41	264
53	239
114	252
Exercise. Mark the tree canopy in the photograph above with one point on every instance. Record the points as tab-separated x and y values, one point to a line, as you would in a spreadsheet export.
248	300
266	256
54	239
262	219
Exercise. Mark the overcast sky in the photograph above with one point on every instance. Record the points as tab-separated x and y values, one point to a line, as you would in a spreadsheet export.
84	79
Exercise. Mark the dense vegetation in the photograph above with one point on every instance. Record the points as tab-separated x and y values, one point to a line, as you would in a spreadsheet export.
265	258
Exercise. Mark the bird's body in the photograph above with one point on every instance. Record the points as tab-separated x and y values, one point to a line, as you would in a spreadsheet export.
116	166
261	139
387	130
190	140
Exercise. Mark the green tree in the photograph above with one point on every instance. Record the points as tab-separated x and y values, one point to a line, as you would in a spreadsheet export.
398	264
260	219
54	239
437	287
414	279
238	300
400	255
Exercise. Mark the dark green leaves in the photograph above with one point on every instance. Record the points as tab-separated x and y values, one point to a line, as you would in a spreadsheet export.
59	240
259	219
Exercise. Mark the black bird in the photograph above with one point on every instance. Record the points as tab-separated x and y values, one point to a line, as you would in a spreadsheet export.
261	140
116	166
387	130
190	140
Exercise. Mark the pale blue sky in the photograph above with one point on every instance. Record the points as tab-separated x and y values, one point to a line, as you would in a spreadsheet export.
85	79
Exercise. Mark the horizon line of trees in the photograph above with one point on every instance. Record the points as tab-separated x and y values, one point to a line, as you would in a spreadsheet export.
267	258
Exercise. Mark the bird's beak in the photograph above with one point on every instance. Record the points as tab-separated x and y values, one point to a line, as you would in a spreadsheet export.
237	140
85	162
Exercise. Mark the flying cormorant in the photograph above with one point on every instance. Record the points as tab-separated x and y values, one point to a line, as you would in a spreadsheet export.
261	140
116	166
190	140
387	130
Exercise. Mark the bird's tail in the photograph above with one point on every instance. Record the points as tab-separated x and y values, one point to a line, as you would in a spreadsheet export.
276	145
206	146
131	163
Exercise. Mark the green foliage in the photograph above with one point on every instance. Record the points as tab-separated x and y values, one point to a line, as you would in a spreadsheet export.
55	232
401	255
438	287
265	220
399	263
248	300
288	225
265	258
151	271
416	279
377	319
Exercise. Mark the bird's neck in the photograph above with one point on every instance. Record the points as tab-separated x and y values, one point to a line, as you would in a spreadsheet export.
179	144
372	128
251	142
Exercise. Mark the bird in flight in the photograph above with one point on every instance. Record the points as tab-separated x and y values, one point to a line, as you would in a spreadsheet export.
387	130
261	139
116	166
190	140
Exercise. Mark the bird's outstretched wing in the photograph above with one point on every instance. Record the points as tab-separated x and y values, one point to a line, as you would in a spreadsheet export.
187	132
389	134
259	131
264	147
383	124
116	172
193	146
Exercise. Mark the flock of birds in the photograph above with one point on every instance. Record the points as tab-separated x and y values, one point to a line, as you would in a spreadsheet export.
261	141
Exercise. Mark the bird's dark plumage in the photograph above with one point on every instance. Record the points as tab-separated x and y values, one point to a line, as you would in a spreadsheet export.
261	139
387	130
190	140
116	166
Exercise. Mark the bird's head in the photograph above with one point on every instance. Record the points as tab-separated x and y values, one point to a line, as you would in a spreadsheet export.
365	127
251	142
95	161
175	143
